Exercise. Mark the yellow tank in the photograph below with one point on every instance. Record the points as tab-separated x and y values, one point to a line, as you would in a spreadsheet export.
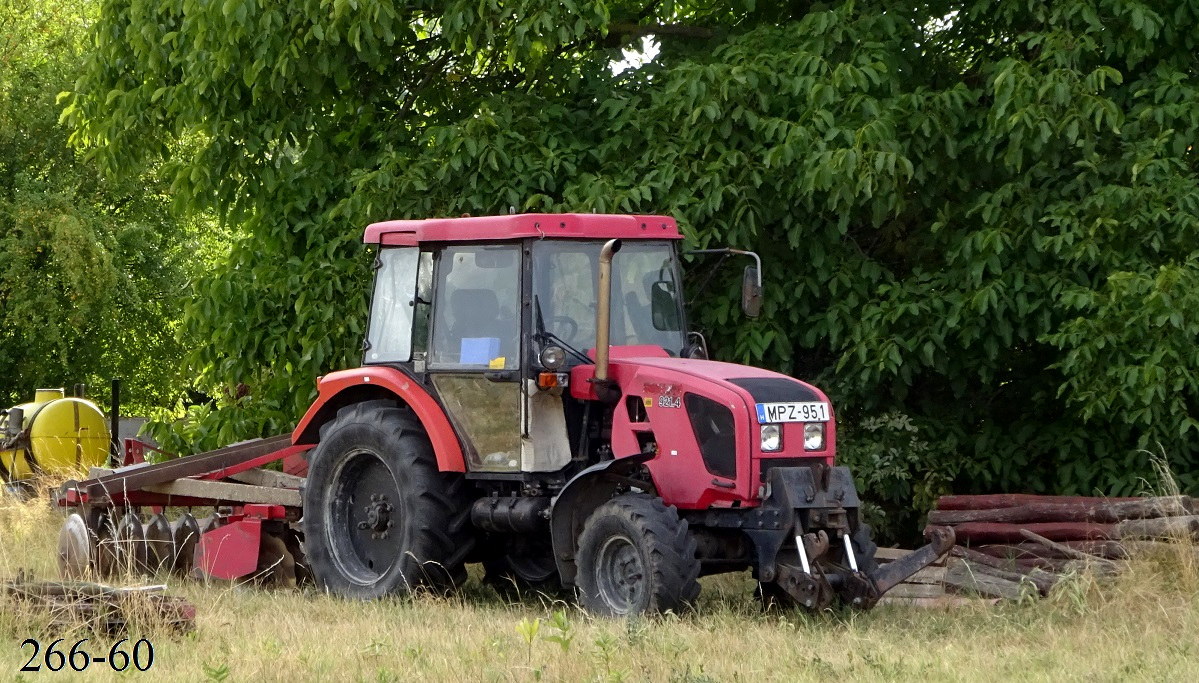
57	435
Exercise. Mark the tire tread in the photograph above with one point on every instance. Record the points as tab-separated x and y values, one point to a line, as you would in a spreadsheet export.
664	538
440	540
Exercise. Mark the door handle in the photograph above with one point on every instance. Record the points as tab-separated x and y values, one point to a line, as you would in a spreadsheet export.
500	375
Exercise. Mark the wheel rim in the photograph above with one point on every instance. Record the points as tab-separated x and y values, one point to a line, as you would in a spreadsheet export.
365	530
620	574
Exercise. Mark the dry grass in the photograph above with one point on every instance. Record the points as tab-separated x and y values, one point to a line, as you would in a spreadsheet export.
1143	627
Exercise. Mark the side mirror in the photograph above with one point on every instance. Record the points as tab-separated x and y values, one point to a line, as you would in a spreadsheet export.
751	292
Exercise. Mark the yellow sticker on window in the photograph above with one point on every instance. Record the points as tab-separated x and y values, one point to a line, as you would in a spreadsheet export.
496	363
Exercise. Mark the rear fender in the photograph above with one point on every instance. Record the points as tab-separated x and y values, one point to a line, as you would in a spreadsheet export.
346	387
585	492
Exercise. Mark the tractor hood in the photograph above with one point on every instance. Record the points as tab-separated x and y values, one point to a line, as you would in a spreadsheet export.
711	409
755	385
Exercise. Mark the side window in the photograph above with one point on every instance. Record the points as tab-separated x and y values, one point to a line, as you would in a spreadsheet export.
389	334
424	299
476	311
568	307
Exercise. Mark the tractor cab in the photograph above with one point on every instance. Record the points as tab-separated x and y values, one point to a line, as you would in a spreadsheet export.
494	312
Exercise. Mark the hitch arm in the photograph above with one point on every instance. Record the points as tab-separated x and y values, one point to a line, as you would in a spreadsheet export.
889	575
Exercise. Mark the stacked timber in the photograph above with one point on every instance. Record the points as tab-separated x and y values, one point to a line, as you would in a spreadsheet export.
1013	546
1005	519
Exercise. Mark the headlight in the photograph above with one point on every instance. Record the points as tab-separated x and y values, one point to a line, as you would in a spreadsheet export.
772	438
813	436
552	357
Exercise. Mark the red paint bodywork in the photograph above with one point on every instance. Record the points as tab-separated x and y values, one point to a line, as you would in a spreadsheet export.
678	469
519	226
441	433
231	550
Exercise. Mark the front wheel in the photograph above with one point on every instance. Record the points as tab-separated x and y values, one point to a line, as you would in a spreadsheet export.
636	556
379	517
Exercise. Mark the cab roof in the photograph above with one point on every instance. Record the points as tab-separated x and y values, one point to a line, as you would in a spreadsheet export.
519	226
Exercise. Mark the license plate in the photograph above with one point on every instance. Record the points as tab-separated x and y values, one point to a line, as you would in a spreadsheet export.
813	411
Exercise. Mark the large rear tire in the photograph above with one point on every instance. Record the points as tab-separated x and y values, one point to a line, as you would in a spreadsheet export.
635	557
379	517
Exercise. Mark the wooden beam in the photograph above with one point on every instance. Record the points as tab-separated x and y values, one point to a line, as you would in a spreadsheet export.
973	533
269	478
1024	550
1007	500
915	590
1166	527
226	492
932	575
1092	510
961	578
888	554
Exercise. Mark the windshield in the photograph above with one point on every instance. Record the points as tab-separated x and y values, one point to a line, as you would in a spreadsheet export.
646	296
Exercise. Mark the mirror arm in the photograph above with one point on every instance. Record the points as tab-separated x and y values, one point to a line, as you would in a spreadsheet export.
707	278
757	259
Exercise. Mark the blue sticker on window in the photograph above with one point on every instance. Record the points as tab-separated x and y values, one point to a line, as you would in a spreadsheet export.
479	350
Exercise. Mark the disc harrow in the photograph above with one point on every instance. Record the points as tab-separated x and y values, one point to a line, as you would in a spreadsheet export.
141	519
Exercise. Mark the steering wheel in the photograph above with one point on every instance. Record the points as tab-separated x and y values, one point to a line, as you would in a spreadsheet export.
556	321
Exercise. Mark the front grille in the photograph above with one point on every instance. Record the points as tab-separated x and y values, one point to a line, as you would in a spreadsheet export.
716	433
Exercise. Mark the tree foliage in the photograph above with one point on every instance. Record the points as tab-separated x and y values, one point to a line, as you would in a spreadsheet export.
91	268
978	219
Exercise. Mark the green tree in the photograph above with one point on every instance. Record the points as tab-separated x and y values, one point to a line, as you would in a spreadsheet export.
978	219
92	269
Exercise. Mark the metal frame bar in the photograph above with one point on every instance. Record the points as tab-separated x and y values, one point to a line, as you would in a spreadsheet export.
227	459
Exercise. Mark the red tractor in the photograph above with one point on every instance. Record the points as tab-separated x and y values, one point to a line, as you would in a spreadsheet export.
531	398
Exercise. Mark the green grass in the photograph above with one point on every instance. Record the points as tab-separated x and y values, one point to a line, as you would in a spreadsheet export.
1145	626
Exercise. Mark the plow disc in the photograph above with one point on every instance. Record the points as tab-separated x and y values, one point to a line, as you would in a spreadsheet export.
129	544
76	548
186	534
254	544
160	543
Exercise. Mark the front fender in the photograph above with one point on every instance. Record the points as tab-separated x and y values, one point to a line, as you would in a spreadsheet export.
586	491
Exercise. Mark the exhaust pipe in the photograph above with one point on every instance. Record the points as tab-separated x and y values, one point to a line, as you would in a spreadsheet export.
603	314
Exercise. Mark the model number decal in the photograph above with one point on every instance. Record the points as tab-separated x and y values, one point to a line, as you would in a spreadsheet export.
668	395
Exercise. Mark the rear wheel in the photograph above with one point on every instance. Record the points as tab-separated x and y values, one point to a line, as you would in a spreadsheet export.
379	517
636	556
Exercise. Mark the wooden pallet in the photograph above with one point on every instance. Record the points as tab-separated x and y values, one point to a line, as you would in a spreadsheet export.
946	583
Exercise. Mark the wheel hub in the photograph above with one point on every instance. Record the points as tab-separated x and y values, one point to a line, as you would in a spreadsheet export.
378	516
621	577
367	508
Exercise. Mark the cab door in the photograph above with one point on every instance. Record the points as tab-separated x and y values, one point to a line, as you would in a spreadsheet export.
474	356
